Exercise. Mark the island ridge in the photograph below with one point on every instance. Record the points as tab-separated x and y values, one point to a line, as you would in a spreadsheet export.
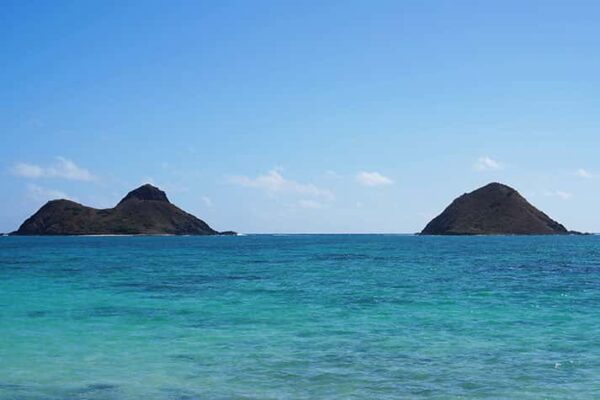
143	211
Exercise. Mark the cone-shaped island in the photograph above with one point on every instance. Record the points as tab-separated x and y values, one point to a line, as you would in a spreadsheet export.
494	209
144	211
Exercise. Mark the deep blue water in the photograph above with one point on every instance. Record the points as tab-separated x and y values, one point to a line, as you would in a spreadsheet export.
300	317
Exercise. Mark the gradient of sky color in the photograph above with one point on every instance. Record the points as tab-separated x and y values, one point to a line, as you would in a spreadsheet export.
271	116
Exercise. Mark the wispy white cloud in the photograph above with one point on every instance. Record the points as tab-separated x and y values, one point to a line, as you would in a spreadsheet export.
63	168
583	173
310	204
373	179
559	193
41	194
27	170
207	201
486	163
67	169
331	174
274	183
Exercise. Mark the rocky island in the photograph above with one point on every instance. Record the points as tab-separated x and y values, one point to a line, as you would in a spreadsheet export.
144	211
494	209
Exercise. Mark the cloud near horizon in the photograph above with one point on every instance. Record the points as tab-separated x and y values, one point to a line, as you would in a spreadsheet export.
207	201
274	183
560	194
486	163
310	204
373	179
583	173
63	168
41	194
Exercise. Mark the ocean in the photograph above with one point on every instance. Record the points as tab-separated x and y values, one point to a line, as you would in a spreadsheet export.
300	317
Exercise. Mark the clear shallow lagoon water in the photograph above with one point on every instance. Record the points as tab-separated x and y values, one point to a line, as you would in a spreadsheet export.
300	317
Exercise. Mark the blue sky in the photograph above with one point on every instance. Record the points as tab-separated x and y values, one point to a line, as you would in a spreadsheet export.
338	116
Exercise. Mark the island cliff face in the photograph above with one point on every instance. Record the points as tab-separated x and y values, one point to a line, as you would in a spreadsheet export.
144	211
494	209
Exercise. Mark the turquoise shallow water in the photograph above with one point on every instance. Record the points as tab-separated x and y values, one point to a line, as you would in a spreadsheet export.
300	317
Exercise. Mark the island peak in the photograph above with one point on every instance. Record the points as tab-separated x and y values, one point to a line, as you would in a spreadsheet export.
146	192
494	209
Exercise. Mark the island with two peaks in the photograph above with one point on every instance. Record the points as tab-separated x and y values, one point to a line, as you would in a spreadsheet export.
494	209
144	211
